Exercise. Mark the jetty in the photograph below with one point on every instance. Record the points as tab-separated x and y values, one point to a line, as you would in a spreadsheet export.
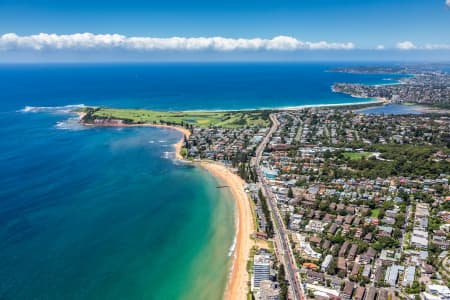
221	186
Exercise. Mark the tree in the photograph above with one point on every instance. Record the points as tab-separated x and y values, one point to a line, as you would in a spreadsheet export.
290	193
287	219
283	283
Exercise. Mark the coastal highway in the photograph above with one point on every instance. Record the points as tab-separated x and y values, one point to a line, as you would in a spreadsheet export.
281	238
260	149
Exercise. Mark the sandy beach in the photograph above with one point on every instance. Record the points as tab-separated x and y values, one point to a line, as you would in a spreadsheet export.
237	287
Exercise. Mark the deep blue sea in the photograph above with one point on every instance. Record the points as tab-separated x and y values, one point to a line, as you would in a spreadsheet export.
106	213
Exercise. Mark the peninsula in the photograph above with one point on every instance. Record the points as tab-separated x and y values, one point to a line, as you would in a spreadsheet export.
186	122
325	196
429	87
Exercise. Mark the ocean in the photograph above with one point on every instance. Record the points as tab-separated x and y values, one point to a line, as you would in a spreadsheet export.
107	213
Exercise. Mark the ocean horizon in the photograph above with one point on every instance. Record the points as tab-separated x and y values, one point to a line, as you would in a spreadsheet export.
107	213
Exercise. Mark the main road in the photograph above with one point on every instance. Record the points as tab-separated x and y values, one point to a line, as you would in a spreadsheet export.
281	237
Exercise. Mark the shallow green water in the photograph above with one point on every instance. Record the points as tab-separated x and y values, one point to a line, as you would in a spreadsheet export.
102	214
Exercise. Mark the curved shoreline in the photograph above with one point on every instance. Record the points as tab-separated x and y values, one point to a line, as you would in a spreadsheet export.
237	282
237	285
238	277
370	100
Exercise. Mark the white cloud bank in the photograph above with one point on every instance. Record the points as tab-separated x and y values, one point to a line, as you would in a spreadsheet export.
407	45
447	3
89	41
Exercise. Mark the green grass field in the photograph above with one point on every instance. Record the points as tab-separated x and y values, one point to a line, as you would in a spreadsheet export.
226	119
374	213
356	155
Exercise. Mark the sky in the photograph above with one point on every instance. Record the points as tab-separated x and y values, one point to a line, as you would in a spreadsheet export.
135	30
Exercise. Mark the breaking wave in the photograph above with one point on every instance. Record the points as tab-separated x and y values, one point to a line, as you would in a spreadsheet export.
52	109
70	124
233	247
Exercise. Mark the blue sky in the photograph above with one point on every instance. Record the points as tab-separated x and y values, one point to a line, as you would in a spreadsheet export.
419	26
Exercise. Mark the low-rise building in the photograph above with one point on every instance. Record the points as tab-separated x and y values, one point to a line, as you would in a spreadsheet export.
391	275
268	290
348	290
359	293
408	277
326	262
440	290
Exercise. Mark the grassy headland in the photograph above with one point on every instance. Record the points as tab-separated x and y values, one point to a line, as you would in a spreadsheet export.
226	119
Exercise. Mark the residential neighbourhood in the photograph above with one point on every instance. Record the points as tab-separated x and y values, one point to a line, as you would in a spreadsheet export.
415	86
364	201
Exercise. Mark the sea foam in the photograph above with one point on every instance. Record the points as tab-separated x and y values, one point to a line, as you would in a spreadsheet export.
72	123
52	109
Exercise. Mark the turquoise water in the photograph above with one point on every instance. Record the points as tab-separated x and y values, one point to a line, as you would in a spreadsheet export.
105	213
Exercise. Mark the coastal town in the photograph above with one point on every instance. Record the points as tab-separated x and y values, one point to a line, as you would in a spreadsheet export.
333	202
363	201
426	87
225	150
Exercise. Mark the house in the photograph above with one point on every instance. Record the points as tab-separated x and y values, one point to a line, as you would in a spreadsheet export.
341	264
385	231
348	219
429	269
333	228
366	271
348	290
355	269
359	293
315	276
383	294
311	266
326	245
371	292
443	245
315	240
328	218
368	237
378	275
368	256
352	252
336	283
344	248
358	233
419	239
